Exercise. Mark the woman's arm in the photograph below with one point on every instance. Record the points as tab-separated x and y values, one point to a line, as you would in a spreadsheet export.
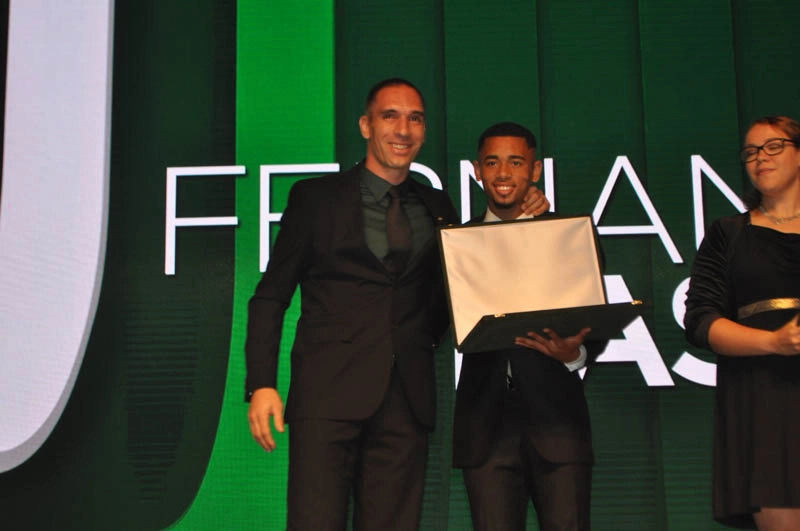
733	339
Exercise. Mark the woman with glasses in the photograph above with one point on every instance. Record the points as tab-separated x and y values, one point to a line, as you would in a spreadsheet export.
743	303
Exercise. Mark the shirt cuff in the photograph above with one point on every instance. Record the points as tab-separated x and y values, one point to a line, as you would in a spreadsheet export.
579	362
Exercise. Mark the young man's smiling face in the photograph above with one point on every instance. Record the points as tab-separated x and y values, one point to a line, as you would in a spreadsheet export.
506	166
394	127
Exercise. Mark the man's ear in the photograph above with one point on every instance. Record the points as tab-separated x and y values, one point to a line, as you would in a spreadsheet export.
363	125
537	171
477	167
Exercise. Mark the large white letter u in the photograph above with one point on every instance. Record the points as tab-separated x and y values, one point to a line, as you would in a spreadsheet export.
53	209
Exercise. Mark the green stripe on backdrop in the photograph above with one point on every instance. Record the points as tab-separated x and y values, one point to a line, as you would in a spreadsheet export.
374	41
492	66
688	81
591	100
765	44
284	115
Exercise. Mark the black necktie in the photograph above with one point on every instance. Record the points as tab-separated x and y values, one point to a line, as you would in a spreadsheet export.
398	233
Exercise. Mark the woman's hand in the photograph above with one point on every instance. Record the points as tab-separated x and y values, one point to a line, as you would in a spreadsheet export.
787	338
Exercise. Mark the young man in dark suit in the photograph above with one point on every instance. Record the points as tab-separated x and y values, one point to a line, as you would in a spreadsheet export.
521	428
362	396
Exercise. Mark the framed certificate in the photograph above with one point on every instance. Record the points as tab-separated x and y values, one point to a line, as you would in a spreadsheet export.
508	278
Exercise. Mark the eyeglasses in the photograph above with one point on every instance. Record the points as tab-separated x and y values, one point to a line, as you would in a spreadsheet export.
773	146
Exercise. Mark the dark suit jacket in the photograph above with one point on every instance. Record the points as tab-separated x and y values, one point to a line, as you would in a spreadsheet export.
356	318
555	410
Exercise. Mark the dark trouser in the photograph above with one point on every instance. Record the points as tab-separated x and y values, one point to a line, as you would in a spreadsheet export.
499	488
381	459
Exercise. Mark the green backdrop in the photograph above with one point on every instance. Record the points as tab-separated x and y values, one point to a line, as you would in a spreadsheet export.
155	434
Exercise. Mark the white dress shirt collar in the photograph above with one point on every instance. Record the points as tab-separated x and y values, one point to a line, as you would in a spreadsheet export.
491	217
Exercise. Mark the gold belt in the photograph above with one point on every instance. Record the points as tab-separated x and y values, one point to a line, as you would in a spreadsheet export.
768	305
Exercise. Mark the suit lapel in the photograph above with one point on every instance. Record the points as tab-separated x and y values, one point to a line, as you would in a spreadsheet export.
439	216
348	206
431	202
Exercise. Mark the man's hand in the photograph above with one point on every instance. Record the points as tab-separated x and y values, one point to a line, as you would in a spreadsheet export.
265	403
563	349
535	202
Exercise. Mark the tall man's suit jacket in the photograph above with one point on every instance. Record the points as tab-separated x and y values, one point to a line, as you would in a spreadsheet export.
357	319
556	414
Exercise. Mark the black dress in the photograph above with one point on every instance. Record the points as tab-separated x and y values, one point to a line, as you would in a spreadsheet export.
756	420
